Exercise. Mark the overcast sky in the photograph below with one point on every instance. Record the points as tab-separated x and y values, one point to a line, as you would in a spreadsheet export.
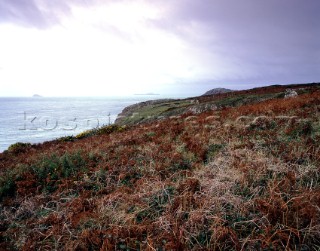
122	47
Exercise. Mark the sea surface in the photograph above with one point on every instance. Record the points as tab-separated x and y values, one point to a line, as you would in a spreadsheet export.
39	119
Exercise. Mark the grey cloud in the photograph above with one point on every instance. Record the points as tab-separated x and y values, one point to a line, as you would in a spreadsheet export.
250	21
36	13
27	13
275	39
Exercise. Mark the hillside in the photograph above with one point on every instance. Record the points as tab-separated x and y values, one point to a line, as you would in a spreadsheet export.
233	171
217	91
161	109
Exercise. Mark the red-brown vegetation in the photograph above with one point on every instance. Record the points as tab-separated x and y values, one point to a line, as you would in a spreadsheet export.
209	182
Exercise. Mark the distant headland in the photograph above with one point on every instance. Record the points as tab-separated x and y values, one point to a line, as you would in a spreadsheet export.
147	94
36	96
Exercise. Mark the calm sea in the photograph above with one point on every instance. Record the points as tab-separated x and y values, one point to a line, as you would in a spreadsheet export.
41	119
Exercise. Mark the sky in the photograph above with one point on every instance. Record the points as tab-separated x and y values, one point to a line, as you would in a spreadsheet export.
177	47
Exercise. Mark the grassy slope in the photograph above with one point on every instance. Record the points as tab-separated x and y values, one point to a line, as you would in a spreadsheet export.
209	181
147	112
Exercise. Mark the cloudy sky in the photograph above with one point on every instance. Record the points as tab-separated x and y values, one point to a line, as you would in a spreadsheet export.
122	47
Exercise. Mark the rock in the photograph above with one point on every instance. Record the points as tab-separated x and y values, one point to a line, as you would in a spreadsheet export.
202	108
290	93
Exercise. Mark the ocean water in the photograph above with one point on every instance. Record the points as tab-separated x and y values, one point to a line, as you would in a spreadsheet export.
36	120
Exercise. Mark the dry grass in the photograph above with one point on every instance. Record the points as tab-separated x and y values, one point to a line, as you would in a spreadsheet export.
206	182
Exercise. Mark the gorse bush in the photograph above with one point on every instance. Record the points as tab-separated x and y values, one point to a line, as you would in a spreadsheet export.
51	169
101	130
7	185
19	147
67	139
107	129
8	181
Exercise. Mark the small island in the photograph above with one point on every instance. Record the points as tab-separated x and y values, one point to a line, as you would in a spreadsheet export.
147	94
36	96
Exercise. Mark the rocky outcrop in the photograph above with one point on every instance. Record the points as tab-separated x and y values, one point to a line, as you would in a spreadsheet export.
290	93
202	108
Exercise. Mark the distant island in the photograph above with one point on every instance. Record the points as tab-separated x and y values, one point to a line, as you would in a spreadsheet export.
36	96
147	94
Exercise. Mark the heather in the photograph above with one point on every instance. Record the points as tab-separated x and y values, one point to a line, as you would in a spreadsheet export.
244	176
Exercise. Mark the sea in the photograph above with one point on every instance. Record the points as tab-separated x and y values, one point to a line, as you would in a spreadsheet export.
39	119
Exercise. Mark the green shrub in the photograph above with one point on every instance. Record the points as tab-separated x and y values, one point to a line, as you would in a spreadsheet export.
19	147
211	152
8	181
183	164
7	186
51	169
156	204
100	130
301	129
67	139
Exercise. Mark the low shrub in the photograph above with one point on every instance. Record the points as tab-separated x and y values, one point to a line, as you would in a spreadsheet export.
211	152
51	169
7	186
67	139
19	147
8	181
101	130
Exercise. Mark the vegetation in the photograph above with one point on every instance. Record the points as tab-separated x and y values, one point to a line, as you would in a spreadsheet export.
161	109
235	178
18	147
100	130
